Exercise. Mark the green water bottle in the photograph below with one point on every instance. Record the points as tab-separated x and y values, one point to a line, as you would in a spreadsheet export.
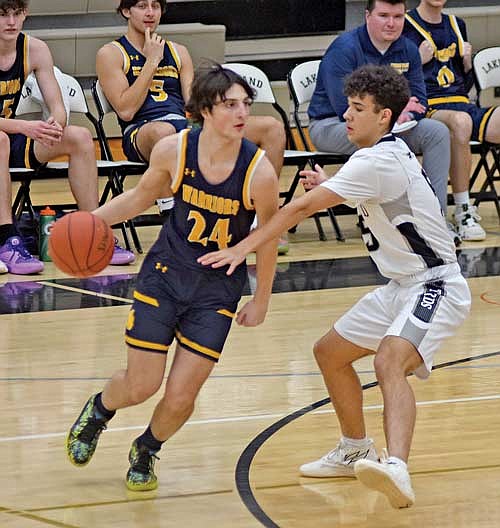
47	219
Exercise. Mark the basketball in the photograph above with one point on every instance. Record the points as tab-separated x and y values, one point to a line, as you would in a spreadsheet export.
81	244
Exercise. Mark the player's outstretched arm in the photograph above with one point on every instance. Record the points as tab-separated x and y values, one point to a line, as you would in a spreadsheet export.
265	196
150	187
292	214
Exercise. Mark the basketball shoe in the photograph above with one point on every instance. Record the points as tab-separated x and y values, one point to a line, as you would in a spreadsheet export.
3	268
140	476
389	476
121	256
467	220
18	259
340	461
84	434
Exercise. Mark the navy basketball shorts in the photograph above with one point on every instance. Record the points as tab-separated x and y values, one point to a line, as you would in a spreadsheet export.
130	135
480	116
195	307
22	154
424	310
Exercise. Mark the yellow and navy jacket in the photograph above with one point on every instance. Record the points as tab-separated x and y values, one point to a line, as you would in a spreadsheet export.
445	77
12	80
165	95
206	217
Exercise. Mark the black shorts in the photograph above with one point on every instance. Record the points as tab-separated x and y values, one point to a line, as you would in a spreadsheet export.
480	116
130	135
196	307
22	154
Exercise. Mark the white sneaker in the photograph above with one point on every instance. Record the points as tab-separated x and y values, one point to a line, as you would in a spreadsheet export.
453	234
389	476
340	461
467	221
3	268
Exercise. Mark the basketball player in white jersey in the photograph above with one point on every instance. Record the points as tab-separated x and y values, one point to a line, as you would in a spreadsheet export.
404	322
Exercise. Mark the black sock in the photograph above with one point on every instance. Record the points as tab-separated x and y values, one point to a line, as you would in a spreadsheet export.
106	414
147	439
6	231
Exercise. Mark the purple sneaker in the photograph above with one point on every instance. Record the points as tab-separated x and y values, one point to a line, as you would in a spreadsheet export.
121	256
18	259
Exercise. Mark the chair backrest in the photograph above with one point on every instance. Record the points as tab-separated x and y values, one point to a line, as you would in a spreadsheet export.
261	84
486	66
301	83
103	105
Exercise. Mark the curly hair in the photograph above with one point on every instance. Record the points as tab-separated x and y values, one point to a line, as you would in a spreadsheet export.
388	88
370	5
211	82
5	5
127	4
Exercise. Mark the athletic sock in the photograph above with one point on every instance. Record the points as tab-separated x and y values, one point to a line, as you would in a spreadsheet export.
355	442
147	439
461	198
101	410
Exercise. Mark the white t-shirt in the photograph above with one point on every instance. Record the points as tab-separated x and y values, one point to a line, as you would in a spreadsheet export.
402	223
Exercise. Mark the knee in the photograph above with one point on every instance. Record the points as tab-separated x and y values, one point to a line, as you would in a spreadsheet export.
386	364
178	403
139	391
4	144
460	126
79	139
272	133
322	354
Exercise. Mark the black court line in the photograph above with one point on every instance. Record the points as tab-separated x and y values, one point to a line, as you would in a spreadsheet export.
242	472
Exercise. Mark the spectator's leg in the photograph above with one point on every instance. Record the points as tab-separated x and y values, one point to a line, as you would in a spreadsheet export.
330	135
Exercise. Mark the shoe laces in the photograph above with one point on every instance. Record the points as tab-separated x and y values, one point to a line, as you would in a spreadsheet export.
469	215
144	460
21	249
94	427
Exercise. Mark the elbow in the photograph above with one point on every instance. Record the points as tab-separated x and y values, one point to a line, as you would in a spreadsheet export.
125	115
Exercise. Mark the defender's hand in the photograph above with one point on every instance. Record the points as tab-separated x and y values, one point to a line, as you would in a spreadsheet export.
313	178
231	257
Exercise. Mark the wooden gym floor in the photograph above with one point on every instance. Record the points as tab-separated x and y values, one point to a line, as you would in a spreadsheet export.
261	414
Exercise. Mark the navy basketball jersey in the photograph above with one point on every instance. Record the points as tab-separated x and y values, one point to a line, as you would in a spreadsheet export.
207	217
165	94
12	80
444	75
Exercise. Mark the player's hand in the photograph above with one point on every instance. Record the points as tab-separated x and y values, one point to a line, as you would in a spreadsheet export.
231	257
426	51
313	178
467	56
154	47
45	133
252	314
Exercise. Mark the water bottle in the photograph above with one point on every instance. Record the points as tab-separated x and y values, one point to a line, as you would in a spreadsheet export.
47	218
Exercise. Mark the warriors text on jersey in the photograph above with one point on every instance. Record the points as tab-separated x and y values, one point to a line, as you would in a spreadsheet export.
206	217
400	217
445	78
12	80
165	95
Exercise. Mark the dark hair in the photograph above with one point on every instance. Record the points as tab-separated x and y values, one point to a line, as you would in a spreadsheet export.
5	5
211	82
388	88
370	5
127	4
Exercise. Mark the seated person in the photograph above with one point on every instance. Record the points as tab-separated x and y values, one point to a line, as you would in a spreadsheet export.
29	144
447	63
147	81
379	42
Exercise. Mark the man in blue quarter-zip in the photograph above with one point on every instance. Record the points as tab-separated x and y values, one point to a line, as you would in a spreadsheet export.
379	41
447	62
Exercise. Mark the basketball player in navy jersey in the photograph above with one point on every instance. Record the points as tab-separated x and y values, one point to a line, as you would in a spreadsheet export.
147	80
447	63
31	143
219	180
404	322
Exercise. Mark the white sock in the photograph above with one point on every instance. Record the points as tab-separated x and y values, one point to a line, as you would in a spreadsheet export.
398	461
355	442
461	198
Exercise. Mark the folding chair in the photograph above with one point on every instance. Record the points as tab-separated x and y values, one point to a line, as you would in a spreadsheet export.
109	169
259	81
486	75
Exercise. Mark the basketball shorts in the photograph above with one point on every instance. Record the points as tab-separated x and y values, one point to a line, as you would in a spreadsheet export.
22	153
424	310
480	116
130	134
195	307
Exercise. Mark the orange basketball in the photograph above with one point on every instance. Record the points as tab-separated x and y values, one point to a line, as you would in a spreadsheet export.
81	244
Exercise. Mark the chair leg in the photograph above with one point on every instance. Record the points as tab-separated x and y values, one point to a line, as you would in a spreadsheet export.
340	236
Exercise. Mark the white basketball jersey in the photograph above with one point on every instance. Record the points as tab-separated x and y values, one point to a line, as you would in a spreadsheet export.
400	217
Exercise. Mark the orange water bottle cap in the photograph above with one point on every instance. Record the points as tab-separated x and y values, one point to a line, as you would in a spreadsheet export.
48	211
